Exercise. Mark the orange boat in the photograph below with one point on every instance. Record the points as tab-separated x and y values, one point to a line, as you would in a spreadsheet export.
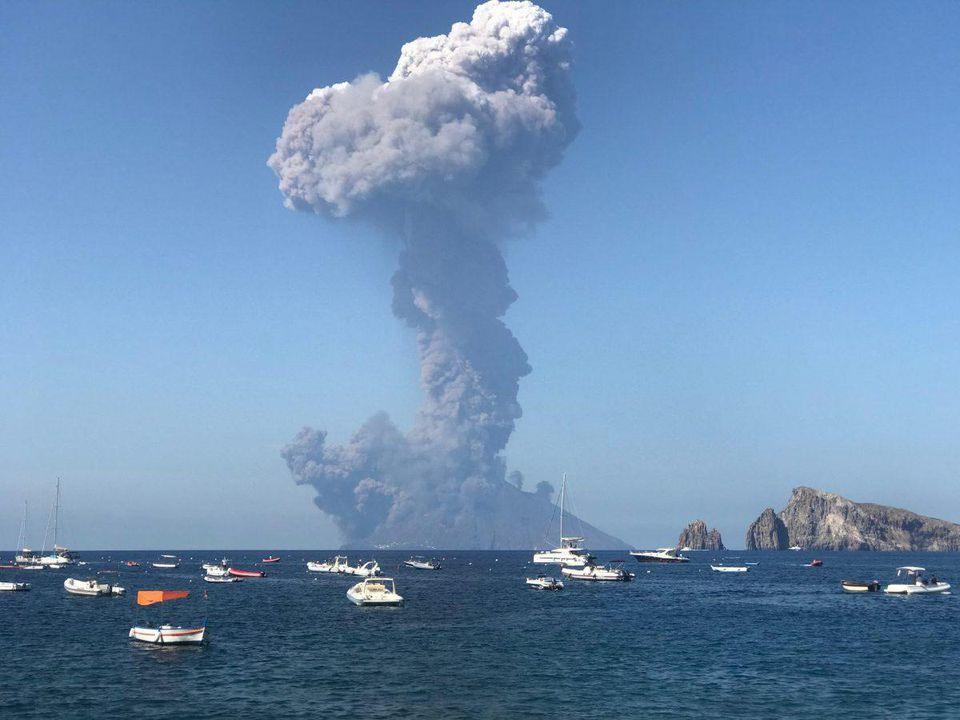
246	573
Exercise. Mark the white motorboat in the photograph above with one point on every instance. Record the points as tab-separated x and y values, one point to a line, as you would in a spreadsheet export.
420	563
730	568
220	569
570	553
168	634
164	634
660	555
225	578
91	588
337	565
14	586
30	567
613	572
795	548
542	582
369	569
916	583
167	562
375	591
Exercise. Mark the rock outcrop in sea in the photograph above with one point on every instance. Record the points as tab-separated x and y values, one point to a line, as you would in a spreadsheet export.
819	520
768	532
696	537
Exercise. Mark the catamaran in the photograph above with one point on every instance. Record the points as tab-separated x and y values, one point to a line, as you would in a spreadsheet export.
570	553
165	634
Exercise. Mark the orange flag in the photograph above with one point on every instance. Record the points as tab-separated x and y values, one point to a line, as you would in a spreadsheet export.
150	597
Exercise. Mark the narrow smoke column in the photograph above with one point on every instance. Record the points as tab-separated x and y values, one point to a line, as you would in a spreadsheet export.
445	154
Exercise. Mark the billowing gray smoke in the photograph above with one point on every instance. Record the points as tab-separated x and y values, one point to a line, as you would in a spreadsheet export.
444	155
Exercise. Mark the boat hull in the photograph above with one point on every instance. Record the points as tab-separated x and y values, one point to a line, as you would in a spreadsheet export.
565	561
651	558
246	573
168	635
386	601
730	568
14	587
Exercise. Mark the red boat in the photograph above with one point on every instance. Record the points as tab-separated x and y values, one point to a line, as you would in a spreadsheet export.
271	559
132	563
246	573
815	563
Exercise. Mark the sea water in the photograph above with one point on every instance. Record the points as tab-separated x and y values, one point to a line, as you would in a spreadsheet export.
473	641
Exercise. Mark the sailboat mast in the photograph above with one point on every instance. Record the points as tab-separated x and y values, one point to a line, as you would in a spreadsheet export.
563	489
56	517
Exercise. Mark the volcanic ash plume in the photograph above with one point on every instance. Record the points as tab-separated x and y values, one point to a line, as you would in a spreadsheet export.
444	155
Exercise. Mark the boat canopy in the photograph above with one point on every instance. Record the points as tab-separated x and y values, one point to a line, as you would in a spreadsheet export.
151	597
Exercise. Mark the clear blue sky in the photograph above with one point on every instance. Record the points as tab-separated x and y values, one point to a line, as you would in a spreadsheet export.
748	282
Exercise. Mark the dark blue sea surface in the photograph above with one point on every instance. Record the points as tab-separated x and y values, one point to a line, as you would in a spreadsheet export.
472	641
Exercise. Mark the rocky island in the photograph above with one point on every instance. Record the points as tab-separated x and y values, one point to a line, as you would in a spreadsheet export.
696	537
819	520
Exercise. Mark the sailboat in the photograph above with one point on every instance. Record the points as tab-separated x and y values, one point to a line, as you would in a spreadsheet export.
570	553
165	634
60	556
25	556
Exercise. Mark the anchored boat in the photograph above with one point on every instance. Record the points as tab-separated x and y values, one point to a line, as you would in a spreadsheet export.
730	568
91	588
14	587
612	572
167	562
660	555
165	634
542	582
570	553
916	583
369	569
422	563
246	573
337	565
375	591
271	559
855	586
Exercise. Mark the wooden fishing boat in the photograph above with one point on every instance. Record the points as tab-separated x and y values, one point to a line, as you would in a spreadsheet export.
165	634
